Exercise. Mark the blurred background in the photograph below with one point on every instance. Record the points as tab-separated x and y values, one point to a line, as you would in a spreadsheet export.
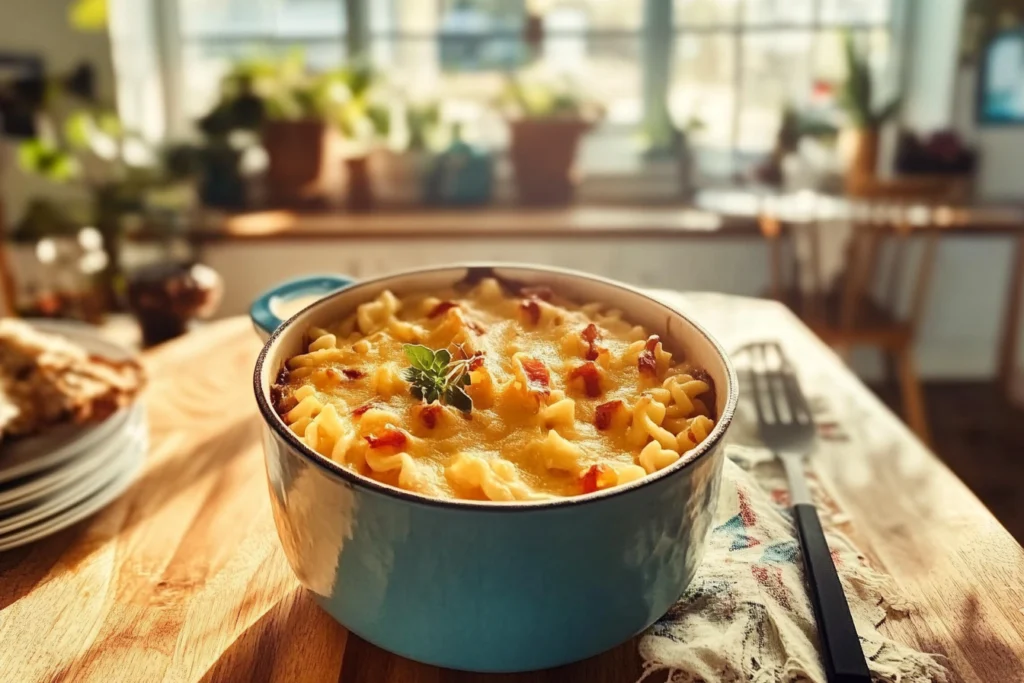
163	161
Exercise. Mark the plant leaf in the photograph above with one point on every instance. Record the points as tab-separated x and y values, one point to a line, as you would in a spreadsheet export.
434	376
109	123
441	360
88	15
78	129
888	111
420	356
458	398
46	159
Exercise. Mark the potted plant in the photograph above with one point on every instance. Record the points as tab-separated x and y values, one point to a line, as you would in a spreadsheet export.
857	98
291	108
363	120
214	163
546	121
118	170
461	175
794	126
400	166
229	130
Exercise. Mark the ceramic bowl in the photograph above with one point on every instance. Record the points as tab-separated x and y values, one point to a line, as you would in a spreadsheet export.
484	586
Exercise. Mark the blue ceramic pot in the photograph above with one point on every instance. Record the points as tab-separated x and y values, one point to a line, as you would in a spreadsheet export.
486	586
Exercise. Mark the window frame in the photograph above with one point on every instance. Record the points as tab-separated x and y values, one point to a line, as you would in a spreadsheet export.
658	33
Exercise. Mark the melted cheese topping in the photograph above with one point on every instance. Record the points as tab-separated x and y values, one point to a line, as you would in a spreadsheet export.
566	399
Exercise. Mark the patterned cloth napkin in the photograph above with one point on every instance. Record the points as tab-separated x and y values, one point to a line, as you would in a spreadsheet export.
747	615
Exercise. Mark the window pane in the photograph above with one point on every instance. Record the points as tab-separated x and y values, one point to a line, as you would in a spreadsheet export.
761	12
703	86
879	48
276	18
829	63
423	17
776	72
462	52
407	62
204	63
706	12
855	11
404	17
482	15
412	67
607	68
589	15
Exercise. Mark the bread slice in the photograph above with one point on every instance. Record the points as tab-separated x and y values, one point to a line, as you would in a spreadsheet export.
47	379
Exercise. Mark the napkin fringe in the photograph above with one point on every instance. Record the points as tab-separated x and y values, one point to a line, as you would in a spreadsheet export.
792	671
902	667
887	667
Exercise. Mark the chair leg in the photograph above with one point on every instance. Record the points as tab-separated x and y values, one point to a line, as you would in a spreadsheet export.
891	369
914	411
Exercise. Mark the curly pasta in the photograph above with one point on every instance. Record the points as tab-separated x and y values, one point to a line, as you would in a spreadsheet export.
566	400
498	479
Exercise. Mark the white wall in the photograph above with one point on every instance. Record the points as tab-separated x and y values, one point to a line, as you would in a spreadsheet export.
941	94
1001	174
931	63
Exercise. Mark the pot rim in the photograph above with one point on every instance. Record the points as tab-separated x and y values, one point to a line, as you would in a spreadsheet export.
274	421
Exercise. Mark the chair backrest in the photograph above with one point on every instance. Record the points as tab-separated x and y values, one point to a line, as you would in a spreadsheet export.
874	210
897	200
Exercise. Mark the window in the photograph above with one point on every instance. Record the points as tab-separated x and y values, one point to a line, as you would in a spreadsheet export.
1001	96
211	34
732	64
737	63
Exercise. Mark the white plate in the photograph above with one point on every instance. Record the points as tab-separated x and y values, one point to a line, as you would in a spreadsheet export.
57	446
23	457
19	493
78	491
87	507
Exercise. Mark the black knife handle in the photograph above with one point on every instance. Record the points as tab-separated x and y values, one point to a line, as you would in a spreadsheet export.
841	652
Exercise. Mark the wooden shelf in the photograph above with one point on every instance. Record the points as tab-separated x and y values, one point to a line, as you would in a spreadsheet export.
634	222
714	214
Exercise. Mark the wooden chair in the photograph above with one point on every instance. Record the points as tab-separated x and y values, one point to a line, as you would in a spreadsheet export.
862	308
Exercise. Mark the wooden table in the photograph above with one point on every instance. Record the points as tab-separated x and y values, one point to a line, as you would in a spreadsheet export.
182	578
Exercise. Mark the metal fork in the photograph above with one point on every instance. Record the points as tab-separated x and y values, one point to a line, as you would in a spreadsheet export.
787	428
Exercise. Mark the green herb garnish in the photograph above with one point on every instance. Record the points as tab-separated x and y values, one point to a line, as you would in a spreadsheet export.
435	376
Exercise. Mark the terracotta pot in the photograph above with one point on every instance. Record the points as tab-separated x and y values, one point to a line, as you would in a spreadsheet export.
861	151
543	152
399	177
296	152
359	195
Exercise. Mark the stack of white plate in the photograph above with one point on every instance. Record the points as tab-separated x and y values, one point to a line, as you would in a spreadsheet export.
53	480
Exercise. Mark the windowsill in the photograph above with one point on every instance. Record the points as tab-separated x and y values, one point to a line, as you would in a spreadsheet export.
713	214
493	221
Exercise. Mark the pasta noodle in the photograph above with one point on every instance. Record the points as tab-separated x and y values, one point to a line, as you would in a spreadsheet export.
565	400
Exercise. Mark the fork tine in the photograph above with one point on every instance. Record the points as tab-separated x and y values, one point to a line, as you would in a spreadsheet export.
774	364
798	405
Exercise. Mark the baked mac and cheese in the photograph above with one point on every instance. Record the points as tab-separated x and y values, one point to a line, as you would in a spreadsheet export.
492	395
